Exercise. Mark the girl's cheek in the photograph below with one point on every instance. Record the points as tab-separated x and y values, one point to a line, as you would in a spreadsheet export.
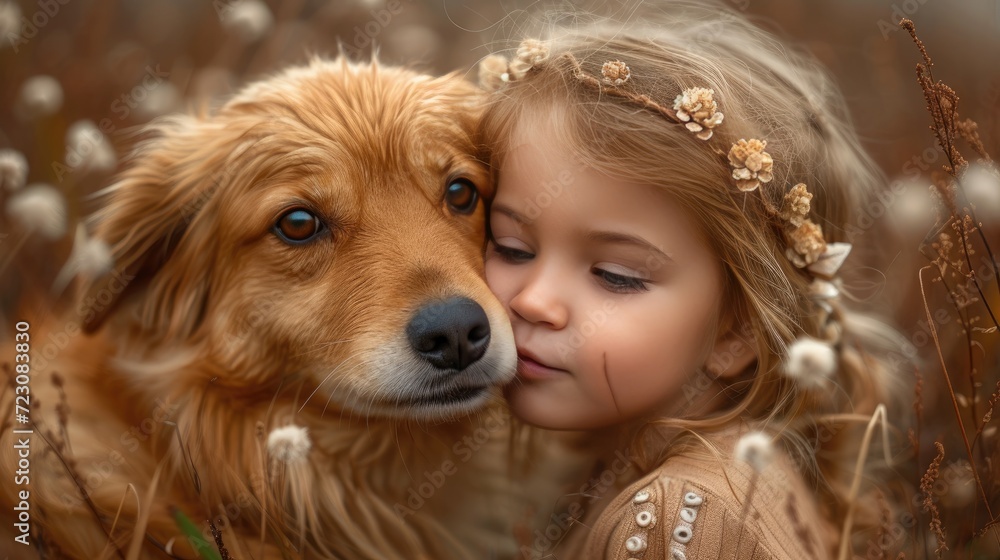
496	278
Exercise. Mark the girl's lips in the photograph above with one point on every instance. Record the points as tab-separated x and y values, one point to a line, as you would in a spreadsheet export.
532	370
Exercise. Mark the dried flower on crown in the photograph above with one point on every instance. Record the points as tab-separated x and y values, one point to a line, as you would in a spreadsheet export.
821	292
530	54
795	206
616	72
831	260
493	72
751	164
806	244
697	109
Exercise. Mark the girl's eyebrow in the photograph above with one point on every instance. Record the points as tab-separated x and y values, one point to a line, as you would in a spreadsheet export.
509	212
629	239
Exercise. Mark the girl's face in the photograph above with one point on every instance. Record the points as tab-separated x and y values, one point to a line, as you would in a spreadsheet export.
610	289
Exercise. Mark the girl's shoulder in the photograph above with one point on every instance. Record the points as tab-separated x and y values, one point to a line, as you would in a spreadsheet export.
692	506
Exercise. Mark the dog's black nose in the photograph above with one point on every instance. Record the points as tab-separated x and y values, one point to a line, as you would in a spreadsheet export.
450	334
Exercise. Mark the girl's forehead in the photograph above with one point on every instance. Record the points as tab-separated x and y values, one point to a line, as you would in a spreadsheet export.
543	142
540	123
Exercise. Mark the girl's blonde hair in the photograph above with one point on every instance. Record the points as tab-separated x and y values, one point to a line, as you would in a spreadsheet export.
766	91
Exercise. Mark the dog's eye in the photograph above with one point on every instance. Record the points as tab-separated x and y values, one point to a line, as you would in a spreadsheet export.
462	196
297	226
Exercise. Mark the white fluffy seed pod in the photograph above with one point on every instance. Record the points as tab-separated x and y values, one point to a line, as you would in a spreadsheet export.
13	169
289	444
912	210
88	149
982	187
40	96
250	20
39	208
755	449
810	362
90	257
10	23
160	100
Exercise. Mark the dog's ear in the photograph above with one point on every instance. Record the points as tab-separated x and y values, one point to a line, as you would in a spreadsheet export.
147	212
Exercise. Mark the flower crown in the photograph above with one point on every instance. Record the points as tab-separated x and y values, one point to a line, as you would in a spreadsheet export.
696	109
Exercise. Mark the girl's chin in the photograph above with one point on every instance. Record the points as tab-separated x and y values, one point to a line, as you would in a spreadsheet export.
542	408
533	408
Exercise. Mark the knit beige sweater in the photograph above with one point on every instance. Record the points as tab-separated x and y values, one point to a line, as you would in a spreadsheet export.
691	507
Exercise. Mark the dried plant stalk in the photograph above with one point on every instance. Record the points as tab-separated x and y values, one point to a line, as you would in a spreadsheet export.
928	505
942	104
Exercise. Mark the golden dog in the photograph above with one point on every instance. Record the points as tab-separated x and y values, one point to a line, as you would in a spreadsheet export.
308	257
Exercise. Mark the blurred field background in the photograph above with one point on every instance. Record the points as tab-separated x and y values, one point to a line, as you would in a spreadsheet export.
117	64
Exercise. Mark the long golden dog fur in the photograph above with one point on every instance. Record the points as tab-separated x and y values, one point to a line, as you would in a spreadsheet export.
155	394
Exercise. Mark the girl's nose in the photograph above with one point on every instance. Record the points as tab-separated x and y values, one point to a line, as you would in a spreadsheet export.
542	298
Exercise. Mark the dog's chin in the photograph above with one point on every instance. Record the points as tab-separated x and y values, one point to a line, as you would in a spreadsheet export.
442	405
414	390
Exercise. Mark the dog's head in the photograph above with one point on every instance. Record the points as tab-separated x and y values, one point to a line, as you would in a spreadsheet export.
326	225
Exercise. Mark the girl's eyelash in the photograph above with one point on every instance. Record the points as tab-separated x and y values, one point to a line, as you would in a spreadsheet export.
510	254
620	283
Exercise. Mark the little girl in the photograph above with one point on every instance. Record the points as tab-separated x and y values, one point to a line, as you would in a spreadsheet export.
666	235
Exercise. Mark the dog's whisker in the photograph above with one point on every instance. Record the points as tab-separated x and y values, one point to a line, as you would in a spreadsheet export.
345	377
328	376
348	398
346	403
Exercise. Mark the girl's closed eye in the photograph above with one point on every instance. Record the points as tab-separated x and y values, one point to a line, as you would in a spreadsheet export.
511	254
621	283
616	281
